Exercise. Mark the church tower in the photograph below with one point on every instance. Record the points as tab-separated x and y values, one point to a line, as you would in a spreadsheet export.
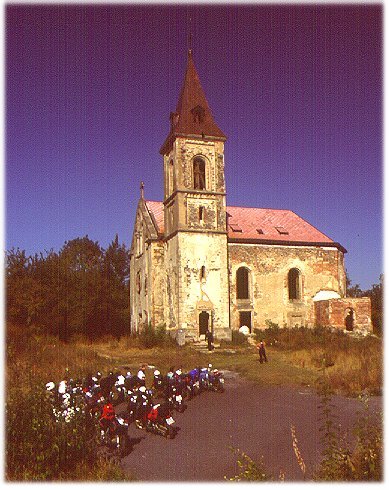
195	216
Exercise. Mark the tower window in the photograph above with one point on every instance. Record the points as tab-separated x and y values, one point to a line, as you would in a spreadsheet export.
242	283
198	113
171	177
294	284
201	213
202	273
199	173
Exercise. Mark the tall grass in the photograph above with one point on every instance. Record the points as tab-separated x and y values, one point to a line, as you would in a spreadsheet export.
354	364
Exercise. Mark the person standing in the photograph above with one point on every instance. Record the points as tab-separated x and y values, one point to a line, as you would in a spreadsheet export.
142	375
262	352
209	338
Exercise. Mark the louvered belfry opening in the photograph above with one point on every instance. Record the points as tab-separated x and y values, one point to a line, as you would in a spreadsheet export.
199	173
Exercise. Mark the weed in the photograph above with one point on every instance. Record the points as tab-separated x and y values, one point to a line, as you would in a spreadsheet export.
250	469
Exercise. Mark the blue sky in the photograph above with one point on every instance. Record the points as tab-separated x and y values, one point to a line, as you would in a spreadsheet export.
296	89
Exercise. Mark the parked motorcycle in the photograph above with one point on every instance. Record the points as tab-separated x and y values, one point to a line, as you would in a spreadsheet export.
175	400
160	421
216	381
115	436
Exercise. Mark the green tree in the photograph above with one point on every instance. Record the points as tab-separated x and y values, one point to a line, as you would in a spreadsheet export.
81	289
376	295
80	282
114	292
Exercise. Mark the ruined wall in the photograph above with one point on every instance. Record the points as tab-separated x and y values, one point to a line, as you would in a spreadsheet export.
321	268
333	313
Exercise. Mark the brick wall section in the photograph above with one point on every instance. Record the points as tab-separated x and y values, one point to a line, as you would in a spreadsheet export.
332	312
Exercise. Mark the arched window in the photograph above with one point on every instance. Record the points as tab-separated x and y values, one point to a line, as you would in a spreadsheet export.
171	177
349	320
294	284
199	173
202	273
242	283
201	214
138	282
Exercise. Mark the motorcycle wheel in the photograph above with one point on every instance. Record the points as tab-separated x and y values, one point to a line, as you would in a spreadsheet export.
181	408
169	433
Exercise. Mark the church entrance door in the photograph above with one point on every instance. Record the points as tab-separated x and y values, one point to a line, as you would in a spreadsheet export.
203	322
245	319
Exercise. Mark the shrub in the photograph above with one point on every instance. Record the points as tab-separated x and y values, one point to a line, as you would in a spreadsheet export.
152	337
339	463
250	469
40	448
238	338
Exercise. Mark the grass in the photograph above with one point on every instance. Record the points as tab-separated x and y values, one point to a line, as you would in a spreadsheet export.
296	358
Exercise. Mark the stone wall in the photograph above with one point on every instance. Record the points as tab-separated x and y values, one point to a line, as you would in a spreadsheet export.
333	313
321	268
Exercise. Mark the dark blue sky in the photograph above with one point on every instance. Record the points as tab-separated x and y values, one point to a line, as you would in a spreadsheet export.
296	89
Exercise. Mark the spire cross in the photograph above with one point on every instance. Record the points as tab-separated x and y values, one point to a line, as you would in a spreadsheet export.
142	187
190	37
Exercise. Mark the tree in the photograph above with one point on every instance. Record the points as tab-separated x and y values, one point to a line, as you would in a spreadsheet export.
81	289
376	294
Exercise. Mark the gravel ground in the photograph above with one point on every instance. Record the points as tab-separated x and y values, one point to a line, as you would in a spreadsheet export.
254	419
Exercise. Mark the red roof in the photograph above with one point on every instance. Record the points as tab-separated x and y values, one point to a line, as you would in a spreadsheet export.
193	115
155	209
260	226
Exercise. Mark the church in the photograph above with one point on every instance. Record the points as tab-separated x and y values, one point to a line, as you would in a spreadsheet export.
197	264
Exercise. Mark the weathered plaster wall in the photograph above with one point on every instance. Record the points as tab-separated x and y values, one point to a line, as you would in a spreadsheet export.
172	278
140	266
321	268
157	290
196	294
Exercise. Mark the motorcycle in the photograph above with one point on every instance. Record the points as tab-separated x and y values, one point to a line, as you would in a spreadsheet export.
115	436
160	421
118	394
191	387
216	382
158	385
203	380
175	399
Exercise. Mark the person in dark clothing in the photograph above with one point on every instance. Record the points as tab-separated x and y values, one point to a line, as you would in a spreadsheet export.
262	352
209	339
107	383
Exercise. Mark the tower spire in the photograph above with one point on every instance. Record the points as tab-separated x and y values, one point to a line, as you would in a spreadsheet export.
193	116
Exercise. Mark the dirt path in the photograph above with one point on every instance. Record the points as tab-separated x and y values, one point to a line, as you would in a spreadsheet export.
256	420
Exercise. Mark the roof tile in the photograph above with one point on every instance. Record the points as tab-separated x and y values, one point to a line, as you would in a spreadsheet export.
250	220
